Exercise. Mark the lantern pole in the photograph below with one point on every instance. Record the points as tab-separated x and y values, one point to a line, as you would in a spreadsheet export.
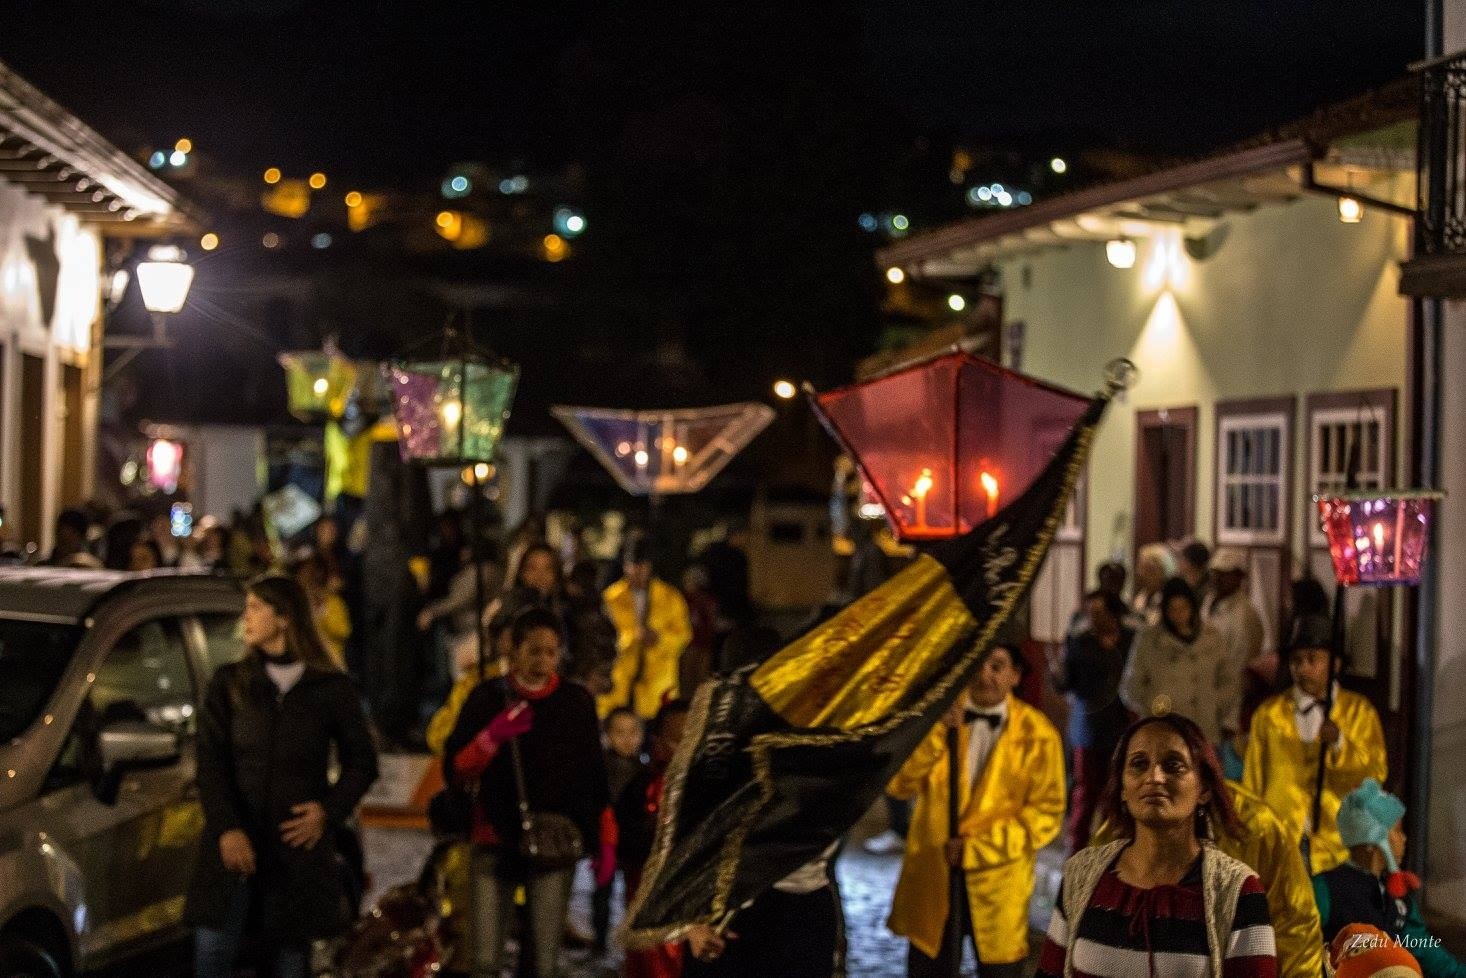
1338	637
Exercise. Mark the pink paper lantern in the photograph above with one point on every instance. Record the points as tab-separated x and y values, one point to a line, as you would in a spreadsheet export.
1378	538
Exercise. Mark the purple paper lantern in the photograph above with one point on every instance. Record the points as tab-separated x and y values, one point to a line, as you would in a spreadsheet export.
1378	538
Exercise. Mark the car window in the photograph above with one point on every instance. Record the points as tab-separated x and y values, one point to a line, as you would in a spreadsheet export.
223	642
145	677
33	655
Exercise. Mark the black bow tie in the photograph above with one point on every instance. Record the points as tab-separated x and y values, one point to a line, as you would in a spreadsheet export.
972	716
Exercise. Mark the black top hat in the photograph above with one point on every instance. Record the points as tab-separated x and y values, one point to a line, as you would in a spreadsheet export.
1312	631
637	550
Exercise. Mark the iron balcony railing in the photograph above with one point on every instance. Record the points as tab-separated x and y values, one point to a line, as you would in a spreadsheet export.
1440	227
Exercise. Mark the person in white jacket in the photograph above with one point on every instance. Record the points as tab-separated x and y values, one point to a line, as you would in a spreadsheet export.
1180	665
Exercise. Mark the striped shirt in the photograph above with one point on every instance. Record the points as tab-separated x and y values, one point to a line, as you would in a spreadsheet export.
1128	932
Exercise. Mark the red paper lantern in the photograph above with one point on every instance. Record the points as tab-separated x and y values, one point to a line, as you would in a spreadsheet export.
946	442
1378	538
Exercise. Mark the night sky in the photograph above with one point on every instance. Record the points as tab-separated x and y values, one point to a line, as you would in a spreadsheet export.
729	147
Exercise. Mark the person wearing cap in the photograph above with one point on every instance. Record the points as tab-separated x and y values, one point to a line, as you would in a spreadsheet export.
653	626
1180	666
1012	805
1283	745
1370	888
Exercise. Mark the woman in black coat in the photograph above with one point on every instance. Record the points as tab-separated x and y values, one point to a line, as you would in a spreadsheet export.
559	741
266	735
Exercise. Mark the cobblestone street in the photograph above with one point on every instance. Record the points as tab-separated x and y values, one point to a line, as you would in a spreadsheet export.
866	885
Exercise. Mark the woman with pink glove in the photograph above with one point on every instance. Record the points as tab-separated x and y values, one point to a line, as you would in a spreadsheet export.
559	742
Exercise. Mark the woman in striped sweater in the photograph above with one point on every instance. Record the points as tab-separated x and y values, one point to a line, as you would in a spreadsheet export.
1162	902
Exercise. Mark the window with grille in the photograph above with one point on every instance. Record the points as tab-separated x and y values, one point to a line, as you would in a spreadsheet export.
1252	462
1333	429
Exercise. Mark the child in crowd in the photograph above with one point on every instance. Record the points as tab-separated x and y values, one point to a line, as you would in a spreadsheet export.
627	775
1371	889
1284	743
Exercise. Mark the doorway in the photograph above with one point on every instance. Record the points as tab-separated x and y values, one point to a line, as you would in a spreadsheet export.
1165	475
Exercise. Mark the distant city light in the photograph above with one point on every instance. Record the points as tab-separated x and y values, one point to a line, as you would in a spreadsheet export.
209	241
1024	198
270	240
1004	199
868	222
900	222
1120	252
1058	165
895	275
321	241
516	184
568	221
272	175
318	181
445	218
158	159
555	247
184	145
459	184
956	303
984	194
353	199
785	390
178	157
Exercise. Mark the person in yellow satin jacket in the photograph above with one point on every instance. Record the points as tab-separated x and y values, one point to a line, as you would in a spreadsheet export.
1012	800
652	628
1265	845
1281	763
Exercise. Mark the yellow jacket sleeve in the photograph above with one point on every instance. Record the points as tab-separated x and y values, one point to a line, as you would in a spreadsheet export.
335	619
1361	754
1254	762
1037	822
908	781
1290	896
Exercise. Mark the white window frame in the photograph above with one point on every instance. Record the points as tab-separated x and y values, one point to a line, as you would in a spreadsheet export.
1250	537
1373	472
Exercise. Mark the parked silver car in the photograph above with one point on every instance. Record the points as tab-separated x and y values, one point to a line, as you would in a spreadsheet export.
101	678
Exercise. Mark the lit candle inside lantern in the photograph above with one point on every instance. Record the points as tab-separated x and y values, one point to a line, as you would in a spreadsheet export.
320	386
919	489
452	412
990	488
679	455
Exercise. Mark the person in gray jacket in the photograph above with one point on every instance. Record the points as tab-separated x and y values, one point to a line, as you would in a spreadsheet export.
1180	665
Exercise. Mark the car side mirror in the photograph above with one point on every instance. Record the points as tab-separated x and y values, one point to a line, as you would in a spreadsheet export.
132	745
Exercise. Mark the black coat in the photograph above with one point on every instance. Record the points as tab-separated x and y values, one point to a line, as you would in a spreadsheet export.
564	769
259	755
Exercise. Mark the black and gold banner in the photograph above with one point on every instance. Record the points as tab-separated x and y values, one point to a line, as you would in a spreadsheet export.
781	759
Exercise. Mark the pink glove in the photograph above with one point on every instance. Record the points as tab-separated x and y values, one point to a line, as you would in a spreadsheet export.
510	723
603	864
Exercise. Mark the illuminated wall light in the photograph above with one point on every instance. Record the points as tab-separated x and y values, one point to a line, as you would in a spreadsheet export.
209	241
317	181
353	199
1120	252
272	175
1351	211
1058	165
956	303
895	275
784	390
